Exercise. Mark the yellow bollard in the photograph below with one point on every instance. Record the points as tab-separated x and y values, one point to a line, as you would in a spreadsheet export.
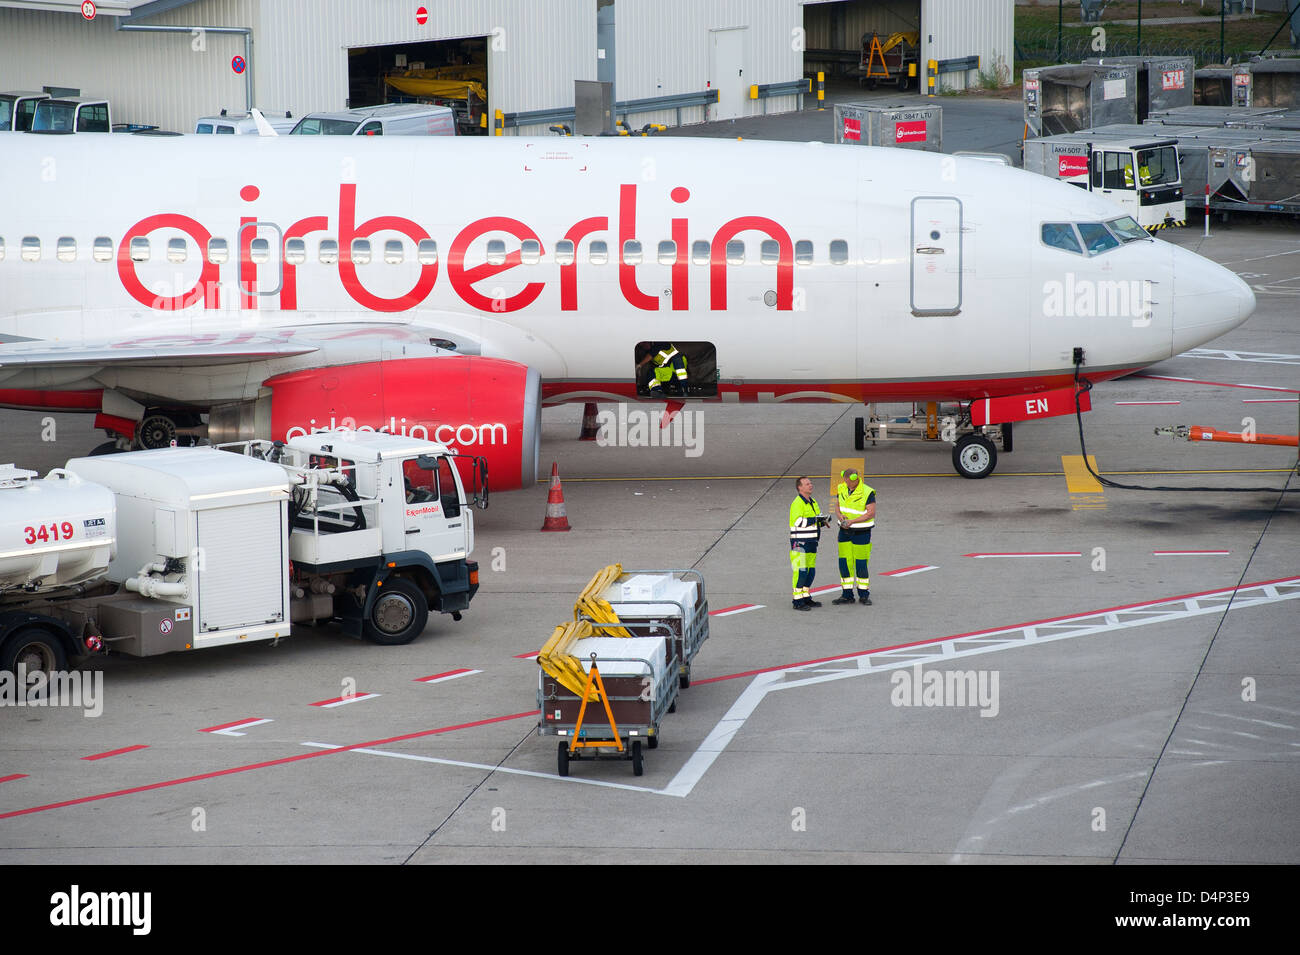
821	91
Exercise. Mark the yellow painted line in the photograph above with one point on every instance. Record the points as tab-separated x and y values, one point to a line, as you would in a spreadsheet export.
881	476
1077	478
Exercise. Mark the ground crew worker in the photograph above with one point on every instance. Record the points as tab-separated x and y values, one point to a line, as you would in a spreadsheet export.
669	366
806	522
856	508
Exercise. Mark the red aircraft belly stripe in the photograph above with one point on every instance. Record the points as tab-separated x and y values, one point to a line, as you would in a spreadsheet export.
30	399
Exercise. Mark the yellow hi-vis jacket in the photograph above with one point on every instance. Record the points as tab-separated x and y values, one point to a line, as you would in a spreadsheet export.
853	504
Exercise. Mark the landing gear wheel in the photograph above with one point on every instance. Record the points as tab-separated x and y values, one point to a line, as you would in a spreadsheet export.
156	431
108	447
974	456
637	767
399	614
562	759
1007	443
859	434
34	649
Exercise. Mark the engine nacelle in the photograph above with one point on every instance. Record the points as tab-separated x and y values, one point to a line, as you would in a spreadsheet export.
489	407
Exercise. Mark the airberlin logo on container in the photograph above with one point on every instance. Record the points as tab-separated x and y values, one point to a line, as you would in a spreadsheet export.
464	435
462	275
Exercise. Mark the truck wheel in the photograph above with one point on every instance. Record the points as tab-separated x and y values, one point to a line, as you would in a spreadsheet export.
974	456
398	615
562	759
637	767
35	649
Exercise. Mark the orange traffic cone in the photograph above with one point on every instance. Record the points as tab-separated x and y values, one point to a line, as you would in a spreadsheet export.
589	427
556	519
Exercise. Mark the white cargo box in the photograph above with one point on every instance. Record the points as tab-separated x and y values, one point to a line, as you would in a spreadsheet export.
667	588
621	656
642	587
218	517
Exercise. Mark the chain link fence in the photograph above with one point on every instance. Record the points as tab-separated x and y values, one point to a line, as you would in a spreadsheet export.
1040	44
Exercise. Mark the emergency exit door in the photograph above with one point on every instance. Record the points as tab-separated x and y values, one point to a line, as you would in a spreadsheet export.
936	255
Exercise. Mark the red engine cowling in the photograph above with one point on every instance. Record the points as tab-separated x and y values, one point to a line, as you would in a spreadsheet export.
488	407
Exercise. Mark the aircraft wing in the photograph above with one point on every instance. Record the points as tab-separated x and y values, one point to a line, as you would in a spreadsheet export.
174	351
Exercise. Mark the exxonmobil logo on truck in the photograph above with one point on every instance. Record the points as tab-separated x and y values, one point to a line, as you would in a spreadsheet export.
463	276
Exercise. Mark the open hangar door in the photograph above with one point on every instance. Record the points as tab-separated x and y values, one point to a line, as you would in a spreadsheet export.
837	40
445	72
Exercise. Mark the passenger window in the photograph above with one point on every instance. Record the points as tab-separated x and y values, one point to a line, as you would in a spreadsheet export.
328	252
564	252
736	252
218	251
393	251
259	250
140	249
31	248
632	252
769	253
496	252
667	253
1097	238
102	251
803	252
360	251
1060	235
176	252
66	249
700	252
427	252
530	252
598	252
295	251
839	252
2	249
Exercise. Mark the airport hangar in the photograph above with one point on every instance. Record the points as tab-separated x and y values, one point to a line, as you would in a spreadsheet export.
167	62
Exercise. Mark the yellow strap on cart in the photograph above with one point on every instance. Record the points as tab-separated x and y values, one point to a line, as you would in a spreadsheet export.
557	659
596	607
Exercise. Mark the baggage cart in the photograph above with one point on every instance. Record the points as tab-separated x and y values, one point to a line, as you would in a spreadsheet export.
670	603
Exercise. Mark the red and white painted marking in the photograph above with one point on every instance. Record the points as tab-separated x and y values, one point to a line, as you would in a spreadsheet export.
732	611
908	571
1148	402
344	700
449	675
1190	553
1216	384
12	777
232	729
528	656
1038	553
117	752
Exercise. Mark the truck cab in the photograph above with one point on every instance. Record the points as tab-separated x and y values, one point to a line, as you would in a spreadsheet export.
72	114
17	107
381	528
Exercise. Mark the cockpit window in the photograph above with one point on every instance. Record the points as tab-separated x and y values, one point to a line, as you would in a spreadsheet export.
1126	229
1060	235
1097	238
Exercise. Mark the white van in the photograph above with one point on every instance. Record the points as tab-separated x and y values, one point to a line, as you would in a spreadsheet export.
17	107
393	119
240	123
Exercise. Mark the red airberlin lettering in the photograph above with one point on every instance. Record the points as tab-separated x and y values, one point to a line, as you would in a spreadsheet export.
206	288
463	277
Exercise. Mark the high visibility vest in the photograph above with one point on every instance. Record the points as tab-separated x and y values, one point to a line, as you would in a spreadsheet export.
803	519
665	362
853	504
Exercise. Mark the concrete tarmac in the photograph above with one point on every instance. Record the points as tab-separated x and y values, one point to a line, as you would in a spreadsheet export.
1133	697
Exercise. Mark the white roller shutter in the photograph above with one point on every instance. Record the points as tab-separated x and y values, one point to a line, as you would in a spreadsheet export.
242	577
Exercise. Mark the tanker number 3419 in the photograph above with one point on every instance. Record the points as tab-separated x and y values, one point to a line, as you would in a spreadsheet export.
48	532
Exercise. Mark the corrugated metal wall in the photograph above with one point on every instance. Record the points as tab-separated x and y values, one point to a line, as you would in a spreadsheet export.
664	48
956	28
164	79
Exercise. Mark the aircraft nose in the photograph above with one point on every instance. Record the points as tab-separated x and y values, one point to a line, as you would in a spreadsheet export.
1209	300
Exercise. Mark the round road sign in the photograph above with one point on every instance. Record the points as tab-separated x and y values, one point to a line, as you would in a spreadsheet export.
421	15
88	9
237	64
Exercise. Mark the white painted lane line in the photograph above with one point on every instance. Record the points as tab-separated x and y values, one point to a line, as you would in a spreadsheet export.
232	729
1148	402
1190	553
1269	401
1226	354
499	769
1046	553
343	700
963	645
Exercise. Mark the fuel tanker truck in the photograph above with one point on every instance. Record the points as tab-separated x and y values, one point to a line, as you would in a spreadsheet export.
178	549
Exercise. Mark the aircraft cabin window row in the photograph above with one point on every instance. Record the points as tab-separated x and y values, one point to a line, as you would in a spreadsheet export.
1095	237
530	250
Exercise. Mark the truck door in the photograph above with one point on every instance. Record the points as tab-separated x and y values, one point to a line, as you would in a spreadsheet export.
1113	175
435	516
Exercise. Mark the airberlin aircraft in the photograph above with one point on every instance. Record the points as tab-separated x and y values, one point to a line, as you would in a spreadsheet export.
238	287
